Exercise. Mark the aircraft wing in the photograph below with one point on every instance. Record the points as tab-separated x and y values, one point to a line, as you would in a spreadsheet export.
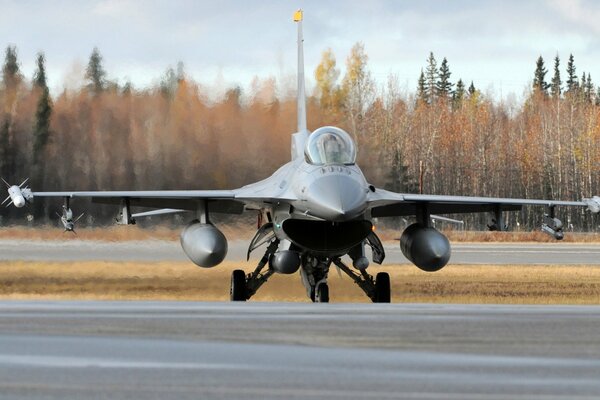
222	201
173	201
384	203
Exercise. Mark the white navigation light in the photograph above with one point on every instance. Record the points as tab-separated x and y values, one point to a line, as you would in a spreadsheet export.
16	196
593	204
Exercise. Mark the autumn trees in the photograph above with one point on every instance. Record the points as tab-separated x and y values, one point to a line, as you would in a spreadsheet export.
174	135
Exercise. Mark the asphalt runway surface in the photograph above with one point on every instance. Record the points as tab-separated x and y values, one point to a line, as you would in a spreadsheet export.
485	253
163	350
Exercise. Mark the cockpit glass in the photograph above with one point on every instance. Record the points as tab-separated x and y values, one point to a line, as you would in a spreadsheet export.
330	145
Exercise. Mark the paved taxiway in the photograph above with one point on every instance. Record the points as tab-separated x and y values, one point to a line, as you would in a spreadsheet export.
157	350
485	253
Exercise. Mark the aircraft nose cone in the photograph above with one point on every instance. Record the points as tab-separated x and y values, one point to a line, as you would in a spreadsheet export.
336	198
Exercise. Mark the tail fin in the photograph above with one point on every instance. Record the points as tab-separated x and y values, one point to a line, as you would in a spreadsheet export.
301	99
299	138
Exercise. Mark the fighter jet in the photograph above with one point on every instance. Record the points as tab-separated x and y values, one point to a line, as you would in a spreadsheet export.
313	211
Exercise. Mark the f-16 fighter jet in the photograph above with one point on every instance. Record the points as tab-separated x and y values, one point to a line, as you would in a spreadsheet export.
314	210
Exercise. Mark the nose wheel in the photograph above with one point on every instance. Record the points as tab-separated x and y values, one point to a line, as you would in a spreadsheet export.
322	293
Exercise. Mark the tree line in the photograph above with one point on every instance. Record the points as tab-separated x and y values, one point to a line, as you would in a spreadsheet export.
444	137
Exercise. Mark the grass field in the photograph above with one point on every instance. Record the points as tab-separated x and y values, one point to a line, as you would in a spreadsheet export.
182	281
246	232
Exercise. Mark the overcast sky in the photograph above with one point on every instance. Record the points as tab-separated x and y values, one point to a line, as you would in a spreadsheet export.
493	43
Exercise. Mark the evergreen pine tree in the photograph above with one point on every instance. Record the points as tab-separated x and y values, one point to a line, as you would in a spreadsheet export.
472	89
41	129
582	86
10	70
555	86
422	89
4	147
459	93
39	78
443	85
95	73
597	102
11	77
431	77
398	179
572	83
589	88
539	77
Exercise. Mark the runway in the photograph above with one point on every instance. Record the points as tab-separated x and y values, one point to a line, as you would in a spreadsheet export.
462	253
158	350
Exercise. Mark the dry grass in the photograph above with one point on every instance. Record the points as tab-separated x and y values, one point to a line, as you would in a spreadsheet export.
536	236
246	231
182	281
502	237
114	233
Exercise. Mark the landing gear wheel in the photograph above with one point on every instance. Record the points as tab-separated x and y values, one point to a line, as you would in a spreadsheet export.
322	293
238	286
382	288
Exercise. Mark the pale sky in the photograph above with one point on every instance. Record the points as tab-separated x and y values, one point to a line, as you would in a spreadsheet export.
223	43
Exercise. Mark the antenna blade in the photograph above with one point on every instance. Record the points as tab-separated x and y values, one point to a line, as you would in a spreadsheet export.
6	183
24	182
5	200
78	218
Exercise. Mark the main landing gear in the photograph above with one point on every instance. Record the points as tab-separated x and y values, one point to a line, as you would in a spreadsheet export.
245	286
378	289
314	272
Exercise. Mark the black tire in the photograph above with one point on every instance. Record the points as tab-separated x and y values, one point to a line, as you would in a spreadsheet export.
322	293
238	286
383	290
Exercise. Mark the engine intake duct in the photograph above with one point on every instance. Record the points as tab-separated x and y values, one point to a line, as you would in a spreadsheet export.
324	236
425	247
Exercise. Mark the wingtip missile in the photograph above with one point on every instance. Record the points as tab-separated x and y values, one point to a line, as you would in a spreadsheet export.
593	204
18	194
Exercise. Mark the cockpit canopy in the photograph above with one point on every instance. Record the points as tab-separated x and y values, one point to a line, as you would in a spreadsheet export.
330	145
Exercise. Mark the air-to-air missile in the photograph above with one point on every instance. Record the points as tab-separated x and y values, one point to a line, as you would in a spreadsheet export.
18	195
67	217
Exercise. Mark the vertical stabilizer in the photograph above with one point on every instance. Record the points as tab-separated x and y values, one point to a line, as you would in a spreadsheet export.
301	99
299	138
